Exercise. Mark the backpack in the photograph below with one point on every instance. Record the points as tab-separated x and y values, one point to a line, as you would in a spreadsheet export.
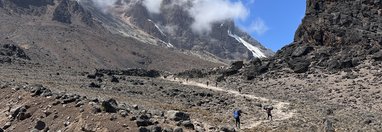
236	114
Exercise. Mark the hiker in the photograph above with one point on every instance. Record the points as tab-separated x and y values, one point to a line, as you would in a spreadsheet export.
216	84
269	109
236	115
207	83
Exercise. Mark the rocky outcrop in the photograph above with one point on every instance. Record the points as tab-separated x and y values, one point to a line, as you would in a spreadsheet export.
30	7
334	35
68	9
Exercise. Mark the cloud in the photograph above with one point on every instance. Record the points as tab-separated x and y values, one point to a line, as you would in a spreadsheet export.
207	12
153	6
258	26
103	5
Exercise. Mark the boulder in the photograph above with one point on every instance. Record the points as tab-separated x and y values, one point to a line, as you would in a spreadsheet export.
177	115
143	122
188	124
109	106
178	129
237	65
20	113
7	125
227	129
143	129
94	85
114	79
40	125
299	65
155	128
302	50
377	56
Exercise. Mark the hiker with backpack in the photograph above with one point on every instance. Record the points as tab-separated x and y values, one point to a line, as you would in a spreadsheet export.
236	115
269	109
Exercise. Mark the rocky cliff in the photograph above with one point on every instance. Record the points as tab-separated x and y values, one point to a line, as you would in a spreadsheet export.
334	35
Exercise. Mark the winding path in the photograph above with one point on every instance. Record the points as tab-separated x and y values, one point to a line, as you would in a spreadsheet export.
278	105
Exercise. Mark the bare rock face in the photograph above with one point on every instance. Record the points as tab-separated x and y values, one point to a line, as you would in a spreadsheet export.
335	35
27	7
67	9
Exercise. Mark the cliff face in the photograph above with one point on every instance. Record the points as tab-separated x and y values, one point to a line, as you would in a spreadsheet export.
335	35
341	22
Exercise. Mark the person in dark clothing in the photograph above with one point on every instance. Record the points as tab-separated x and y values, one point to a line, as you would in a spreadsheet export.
208	83
236	115
269	112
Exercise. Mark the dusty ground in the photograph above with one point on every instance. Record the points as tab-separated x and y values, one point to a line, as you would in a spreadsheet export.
346	100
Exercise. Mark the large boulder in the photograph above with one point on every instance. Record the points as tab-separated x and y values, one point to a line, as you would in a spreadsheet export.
20	113
177	115
299	65
109	106
302	50
377	56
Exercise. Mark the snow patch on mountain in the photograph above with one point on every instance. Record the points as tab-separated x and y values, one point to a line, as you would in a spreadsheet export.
255	51
157	27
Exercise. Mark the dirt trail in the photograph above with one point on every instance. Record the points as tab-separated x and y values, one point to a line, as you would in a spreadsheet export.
278	105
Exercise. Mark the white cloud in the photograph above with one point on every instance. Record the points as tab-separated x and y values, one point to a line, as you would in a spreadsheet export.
104	5
207	12
258	26
153	6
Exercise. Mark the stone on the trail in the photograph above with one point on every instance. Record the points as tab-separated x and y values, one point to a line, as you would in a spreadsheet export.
188	124
94	85
89	128
109	106
143	122
114	79
178	129
167	130
7	125
227	129
143	129
113	117
40	125
123	113
40	90
91	76
177	115
155	128
20	113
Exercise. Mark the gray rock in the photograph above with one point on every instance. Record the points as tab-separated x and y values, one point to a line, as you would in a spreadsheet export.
40	125
155	128
177	115
89	128
143	122
167	130
7	125
188	124
109	106
178	129
227	129
123	113
143	129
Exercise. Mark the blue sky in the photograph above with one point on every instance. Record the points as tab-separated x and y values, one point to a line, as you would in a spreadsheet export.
273	22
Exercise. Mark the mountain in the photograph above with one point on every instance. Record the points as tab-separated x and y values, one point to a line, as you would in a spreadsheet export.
172	28
64	33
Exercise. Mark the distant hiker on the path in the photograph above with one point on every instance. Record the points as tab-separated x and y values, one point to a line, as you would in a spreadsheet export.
236	115
208	83
268	109
216	84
